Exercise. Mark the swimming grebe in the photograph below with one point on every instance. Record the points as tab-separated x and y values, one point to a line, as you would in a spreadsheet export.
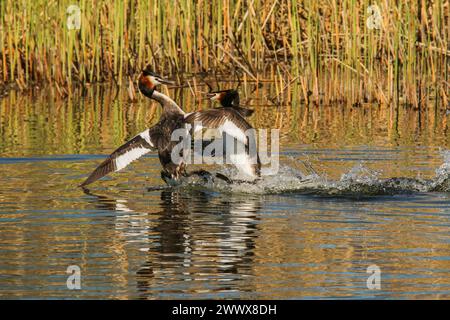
229	99
158	137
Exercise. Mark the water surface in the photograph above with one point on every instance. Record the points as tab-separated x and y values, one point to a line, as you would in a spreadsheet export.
275	240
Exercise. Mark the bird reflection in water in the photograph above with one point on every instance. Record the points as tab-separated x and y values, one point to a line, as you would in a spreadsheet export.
198	242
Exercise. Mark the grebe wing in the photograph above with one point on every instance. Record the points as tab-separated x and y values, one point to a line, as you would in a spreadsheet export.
245	112
130	151
231	123
225	120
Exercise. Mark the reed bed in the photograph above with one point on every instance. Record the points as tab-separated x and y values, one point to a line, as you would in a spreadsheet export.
323	51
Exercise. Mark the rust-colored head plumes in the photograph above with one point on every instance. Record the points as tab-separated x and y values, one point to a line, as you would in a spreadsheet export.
148	80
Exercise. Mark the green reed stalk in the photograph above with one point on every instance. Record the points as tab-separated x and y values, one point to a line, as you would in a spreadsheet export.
326	44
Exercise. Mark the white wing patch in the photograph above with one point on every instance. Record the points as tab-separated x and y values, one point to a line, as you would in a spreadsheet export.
133	154
125	159
146	136
228	127
122	156
196	127
243	163
231	129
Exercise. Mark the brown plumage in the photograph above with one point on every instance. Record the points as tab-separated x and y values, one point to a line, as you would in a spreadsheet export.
214	118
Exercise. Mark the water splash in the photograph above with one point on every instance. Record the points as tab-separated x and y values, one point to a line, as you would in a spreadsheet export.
441	181
359	181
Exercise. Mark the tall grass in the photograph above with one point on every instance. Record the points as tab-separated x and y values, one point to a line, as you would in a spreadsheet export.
324	47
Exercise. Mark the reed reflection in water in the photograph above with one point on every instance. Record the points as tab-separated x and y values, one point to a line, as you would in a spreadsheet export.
131	243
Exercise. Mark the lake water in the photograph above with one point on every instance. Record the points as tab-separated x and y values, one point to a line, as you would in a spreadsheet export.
377	194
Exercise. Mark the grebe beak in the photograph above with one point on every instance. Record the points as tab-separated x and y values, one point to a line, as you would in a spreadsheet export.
160	80
213	96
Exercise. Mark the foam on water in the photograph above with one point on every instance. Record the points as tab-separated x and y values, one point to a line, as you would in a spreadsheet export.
358	181
441	181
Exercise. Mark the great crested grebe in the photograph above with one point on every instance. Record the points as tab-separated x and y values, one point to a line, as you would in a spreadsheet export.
229	99
158	137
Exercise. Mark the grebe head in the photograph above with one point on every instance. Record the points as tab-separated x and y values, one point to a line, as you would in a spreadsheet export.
148	80
227	98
